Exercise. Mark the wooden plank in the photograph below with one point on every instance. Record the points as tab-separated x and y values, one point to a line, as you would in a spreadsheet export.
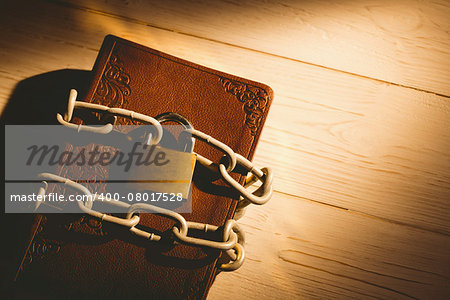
300	249
406	42
331	137
377	149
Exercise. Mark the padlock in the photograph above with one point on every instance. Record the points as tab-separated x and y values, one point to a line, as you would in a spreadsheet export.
170	172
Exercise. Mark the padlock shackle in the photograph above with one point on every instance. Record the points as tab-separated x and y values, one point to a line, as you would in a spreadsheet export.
174	117
183	121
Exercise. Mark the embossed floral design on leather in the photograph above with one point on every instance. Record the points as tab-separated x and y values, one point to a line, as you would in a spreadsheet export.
113	87
40	247
254	98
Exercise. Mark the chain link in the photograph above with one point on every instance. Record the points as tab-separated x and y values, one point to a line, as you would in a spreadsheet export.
112	111
232	238
260	196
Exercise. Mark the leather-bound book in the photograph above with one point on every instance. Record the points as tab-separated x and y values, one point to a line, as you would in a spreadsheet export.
73	255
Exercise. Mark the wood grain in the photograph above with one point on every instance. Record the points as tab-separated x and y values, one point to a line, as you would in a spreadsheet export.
405	42
362	166
344	140
301	249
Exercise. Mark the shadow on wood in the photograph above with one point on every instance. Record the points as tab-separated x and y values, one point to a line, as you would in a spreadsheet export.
33	102
35	99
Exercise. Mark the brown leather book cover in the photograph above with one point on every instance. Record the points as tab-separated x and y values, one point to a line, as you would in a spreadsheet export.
75	255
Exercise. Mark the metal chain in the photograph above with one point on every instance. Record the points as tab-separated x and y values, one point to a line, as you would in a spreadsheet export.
258	197
72	103
233	237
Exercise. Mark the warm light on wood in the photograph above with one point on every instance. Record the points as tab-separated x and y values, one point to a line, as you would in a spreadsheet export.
358	134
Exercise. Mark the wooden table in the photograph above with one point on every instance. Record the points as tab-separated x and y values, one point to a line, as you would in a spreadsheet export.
358	134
